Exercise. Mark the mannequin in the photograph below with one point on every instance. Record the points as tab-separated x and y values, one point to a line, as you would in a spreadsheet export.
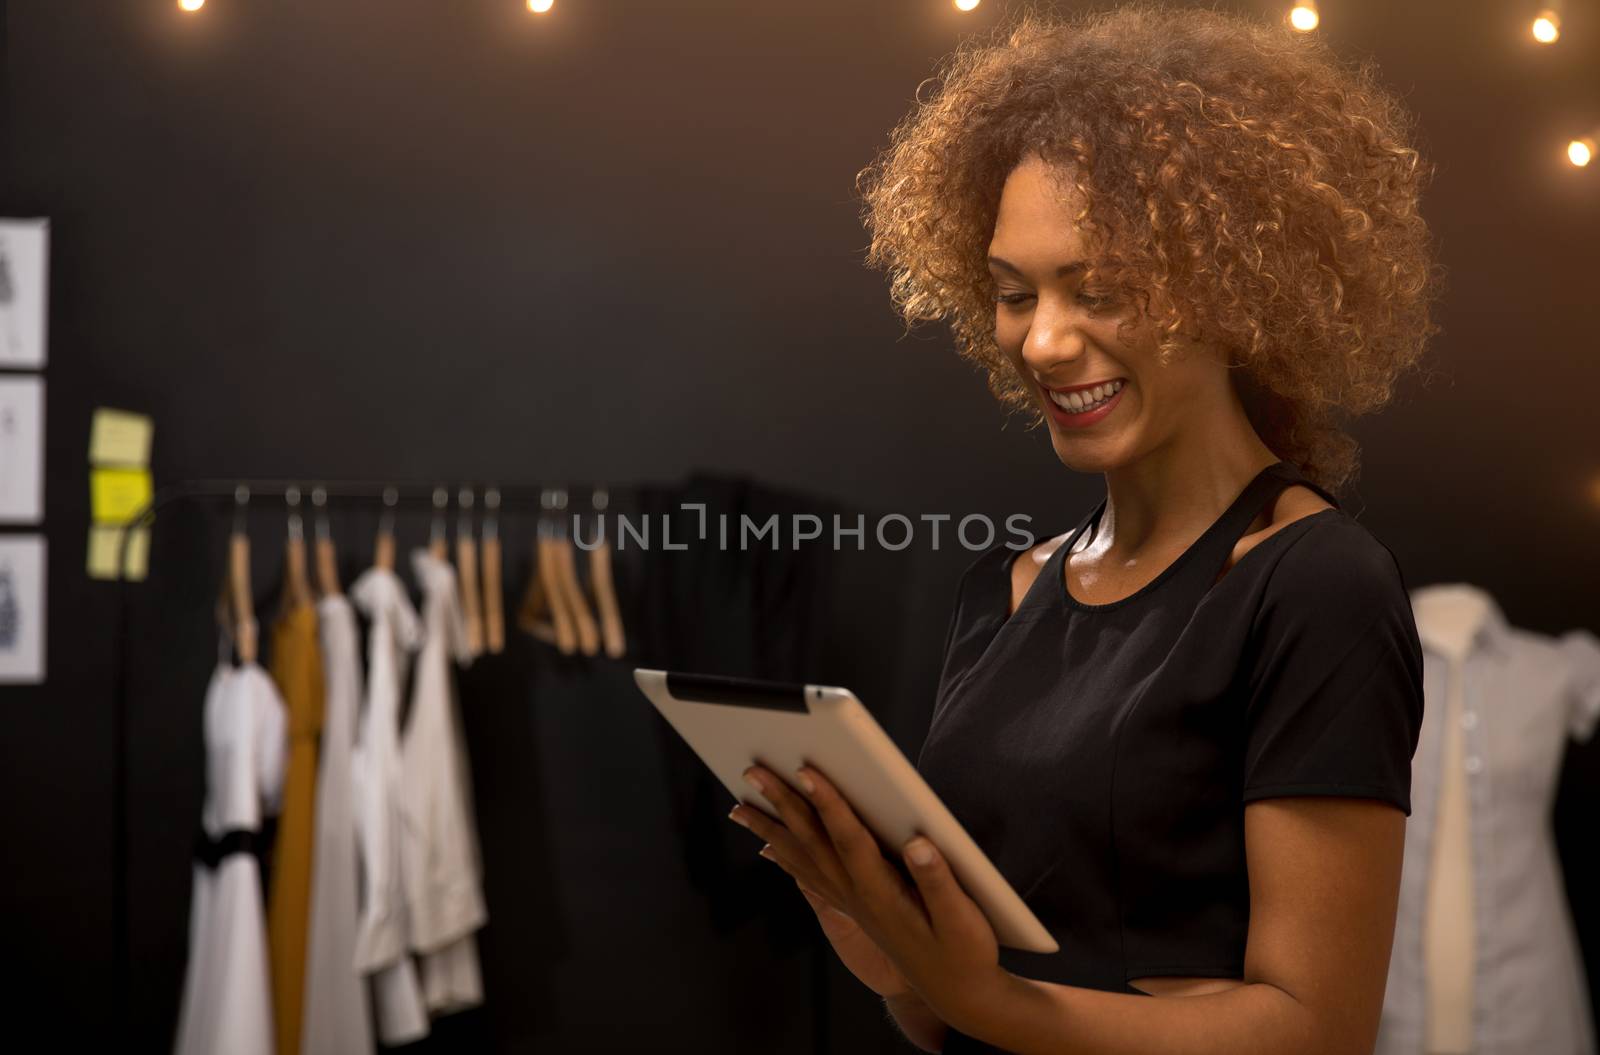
1485	960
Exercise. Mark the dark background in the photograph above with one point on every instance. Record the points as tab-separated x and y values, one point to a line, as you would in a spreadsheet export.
419	239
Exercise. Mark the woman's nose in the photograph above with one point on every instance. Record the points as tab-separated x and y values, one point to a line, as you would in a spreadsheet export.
1054	340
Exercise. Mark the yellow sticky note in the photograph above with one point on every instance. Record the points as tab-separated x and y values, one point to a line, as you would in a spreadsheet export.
105	552
115	495
117	437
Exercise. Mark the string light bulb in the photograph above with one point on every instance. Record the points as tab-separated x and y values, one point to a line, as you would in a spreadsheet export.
1547	27
966	5
191	5
1581	151
539	7
1303	16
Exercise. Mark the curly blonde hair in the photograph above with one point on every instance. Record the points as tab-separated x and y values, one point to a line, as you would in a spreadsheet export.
1259	192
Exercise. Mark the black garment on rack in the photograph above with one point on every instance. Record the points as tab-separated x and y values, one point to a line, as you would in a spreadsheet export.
521	945
605	838
746	610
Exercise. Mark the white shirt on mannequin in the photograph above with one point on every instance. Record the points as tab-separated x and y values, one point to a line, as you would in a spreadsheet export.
1523	695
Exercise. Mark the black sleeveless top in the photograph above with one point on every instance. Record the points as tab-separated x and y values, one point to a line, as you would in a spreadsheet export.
1102	755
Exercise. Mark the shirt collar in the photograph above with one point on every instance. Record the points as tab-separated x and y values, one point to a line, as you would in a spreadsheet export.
1493	634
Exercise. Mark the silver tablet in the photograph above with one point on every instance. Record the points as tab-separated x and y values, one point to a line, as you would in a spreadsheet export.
732	722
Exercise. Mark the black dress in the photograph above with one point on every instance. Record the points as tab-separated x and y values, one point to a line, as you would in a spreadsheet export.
1102	755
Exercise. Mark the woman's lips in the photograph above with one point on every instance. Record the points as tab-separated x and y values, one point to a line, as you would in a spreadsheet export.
1084	420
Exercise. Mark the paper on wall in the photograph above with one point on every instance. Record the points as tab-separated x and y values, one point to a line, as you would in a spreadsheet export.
22	609
21	450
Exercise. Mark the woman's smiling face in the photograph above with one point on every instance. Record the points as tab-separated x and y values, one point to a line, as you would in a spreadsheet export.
1058	335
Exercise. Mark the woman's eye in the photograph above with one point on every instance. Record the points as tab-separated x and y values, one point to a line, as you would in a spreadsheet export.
1086	299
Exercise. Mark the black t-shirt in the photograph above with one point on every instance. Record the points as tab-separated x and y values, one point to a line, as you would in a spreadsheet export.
1103	755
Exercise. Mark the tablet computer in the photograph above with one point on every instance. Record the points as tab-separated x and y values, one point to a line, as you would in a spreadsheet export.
732	722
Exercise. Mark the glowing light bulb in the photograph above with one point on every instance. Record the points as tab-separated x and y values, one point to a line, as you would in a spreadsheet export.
1580	151
1547	27
191	5
539	7
1304	17
966	5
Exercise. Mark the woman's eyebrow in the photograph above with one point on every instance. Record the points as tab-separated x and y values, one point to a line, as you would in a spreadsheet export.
1061	272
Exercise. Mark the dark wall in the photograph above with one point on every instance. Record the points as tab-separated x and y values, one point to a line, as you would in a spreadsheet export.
416	239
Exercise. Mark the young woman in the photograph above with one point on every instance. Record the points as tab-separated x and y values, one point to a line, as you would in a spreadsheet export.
1183	730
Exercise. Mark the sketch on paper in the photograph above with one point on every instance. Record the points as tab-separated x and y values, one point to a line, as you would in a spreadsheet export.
21	450
24	281
22	609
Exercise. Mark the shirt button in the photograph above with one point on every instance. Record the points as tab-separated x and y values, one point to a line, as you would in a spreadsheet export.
1469	720
1473	763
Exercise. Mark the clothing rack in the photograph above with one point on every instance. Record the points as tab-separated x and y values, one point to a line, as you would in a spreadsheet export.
549	500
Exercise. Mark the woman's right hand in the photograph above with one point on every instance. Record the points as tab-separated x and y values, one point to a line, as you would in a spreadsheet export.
859	953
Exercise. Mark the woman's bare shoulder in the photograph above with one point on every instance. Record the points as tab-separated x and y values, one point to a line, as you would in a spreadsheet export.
1025	568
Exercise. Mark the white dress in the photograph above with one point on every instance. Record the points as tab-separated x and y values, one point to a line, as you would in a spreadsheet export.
439	847
227	998
383	938
336	1018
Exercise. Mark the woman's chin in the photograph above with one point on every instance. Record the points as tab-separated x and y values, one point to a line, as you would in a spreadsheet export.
1090	451
1086	456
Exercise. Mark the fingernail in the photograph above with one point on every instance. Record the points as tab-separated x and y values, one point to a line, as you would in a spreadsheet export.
766	851
921	852
809	785
737	818
755	782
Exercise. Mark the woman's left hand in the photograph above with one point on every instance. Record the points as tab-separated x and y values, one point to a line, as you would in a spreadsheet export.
936	935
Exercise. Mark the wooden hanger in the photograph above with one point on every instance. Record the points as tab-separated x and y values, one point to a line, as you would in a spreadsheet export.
327	563
467	570
533	614
567	583
438	544
544	611
383	551
296	584
494	626
241	608
604	590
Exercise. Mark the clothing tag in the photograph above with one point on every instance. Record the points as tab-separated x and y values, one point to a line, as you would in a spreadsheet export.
118	437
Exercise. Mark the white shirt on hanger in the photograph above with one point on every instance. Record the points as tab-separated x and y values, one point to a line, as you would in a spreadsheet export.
337	1012
227	998
440	851
383	939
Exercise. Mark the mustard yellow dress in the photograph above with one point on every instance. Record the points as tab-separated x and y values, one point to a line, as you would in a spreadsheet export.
297	670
